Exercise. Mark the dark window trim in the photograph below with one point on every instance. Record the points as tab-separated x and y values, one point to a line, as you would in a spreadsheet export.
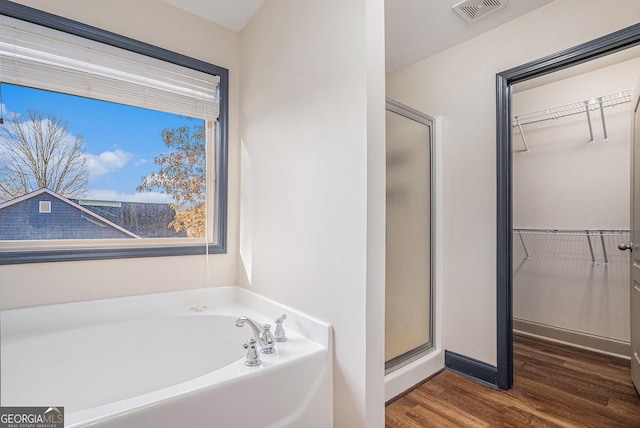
59	23
611	43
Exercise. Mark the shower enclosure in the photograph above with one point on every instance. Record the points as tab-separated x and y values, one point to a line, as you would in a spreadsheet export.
409	242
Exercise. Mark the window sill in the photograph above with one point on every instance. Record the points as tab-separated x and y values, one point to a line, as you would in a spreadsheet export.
75	254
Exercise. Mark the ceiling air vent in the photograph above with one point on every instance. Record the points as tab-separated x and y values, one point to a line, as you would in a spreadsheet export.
473	10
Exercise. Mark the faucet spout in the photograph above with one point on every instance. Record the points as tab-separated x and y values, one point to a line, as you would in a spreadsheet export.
256	327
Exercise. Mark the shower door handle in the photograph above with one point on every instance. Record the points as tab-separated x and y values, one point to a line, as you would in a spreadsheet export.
623	247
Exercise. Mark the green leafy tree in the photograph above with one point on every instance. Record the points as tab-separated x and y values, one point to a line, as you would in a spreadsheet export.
182	175
37	151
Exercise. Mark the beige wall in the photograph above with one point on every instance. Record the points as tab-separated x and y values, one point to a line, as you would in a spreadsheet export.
312	184
162	25
459	84
312	137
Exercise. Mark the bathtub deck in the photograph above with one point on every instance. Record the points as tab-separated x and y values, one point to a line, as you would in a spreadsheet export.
166	359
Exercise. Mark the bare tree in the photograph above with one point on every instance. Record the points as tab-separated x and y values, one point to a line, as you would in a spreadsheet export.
38	151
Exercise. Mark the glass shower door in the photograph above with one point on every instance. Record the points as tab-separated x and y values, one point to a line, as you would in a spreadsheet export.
409	318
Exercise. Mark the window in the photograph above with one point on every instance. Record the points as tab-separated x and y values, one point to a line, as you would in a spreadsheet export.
45	206
109	147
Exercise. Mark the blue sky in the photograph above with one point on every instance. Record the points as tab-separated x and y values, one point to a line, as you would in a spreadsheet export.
121	141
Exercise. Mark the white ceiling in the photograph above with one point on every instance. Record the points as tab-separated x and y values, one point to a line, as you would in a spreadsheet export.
233	14
415	29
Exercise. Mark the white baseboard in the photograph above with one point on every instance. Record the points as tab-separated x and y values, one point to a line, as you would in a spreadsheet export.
405	378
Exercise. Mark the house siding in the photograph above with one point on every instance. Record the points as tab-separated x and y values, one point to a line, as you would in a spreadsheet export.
24	221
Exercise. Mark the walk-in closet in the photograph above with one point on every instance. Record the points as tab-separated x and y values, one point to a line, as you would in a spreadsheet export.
571	204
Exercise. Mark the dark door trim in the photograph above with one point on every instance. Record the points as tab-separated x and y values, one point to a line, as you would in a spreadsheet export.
597	48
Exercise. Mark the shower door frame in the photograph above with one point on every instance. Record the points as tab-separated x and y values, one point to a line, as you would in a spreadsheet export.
597	48
422	350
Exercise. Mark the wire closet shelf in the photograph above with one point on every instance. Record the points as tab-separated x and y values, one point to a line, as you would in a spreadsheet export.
580	107
589	234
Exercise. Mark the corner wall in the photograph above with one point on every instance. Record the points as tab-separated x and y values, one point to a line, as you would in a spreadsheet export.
157	23
459	84
313	170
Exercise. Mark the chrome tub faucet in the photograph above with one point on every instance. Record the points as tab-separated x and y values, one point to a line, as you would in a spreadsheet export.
262	334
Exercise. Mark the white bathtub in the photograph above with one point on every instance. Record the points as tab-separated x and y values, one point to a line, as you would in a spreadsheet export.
166	360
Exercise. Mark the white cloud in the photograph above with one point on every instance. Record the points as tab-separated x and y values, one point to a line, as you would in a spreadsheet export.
141	162
114	195
107	162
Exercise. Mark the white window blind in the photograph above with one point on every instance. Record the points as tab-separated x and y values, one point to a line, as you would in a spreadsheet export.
39	57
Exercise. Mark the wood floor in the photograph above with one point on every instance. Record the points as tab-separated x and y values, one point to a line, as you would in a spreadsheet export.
554	386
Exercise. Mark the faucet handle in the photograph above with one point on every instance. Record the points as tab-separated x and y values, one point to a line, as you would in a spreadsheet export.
266	340
279	333
252	355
